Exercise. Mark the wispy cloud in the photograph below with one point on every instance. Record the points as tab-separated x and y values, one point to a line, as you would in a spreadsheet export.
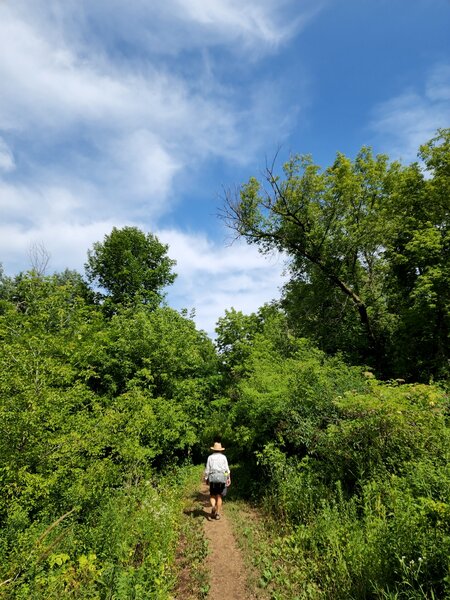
214	277
121	124
404	122
106	105
253	23
171	27
7	162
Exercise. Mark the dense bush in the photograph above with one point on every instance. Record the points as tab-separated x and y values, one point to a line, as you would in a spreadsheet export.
123	547
93	407
355	471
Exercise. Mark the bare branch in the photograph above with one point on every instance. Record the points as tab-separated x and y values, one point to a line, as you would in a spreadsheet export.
39	258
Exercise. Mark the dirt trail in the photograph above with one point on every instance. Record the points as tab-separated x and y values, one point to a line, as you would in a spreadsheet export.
228	576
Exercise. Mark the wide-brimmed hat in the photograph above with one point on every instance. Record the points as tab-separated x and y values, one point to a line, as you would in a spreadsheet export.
217	447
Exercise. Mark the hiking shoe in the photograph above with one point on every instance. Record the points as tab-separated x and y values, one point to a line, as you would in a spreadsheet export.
217	516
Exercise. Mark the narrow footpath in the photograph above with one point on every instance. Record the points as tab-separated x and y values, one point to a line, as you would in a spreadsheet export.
228	576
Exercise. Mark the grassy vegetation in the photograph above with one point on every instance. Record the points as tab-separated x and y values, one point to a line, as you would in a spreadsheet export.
348	551
192	575
125	549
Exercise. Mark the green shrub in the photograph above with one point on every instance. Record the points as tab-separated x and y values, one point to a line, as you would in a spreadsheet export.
381	431
123	549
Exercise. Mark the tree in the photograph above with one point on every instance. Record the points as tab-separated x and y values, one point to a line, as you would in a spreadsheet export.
235	335
327	222
339	228
237	332
417	256
320	312
131	266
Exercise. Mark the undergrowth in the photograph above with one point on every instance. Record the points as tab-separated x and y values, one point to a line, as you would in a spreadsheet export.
192	575
125	549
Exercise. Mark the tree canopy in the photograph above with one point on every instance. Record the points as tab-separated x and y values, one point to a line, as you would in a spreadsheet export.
368	247
131	266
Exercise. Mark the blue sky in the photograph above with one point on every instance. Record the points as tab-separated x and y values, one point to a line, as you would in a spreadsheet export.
141	113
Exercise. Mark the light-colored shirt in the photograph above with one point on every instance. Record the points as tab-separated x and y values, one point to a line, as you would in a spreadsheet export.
217	462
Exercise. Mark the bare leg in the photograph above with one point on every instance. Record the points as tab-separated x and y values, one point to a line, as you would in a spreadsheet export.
218	503
212	500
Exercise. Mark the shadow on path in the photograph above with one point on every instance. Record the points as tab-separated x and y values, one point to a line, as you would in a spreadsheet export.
203	507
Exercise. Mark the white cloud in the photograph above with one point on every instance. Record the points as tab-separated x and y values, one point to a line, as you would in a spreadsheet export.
438	84
142	168
35	205
44	85
49	87
213	277
104	107
66	242
7	162
244	28
405	122
253	22
120	125
173	26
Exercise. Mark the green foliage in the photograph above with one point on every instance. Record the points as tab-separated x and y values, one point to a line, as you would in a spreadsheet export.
287	393
235	333
124	548
193	577
91	409
131	266
368	243
353	473
381	431
418	258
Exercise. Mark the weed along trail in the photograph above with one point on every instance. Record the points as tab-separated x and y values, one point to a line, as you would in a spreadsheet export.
227	572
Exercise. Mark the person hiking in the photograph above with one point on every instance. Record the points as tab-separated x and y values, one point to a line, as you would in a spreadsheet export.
217	474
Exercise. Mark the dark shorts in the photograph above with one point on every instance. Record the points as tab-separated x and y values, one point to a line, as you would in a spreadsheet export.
216	488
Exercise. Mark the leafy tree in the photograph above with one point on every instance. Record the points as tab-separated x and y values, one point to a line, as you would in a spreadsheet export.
327	222
131	266
340	228
28	288
235	334
90	410
321	313
417	254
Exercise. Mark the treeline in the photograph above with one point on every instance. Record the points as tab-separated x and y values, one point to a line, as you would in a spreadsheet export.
107	395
